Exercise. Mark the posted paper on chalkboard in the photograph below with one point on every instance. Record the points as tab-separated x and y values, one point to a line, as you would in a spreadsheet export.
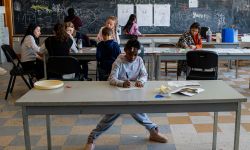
162	15
144	14
193	3
123	13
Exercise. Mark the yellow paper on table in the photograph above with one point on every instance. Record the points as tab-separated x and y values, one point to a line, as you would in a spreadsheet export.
48	84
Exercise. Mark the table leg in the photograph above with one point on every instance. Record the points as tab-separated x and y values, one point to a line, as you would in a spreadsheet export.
48	131
26	129
44	67
236	68
157	67
215	130
237	127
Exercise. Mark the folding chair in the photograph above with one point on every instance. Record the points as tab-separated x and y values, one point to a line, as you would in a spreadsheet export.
17	70
202	65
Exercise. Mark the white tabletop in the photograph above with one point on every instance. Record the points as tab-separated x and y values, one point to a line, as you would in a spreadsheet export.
101	93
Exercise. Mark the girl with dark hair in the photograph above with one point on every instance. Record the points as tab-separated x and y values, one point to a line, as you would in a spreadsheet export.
30	51
192	40
131	28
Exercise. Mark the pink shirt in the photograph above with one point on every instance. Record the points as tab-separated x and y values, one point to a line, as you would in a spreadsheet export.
134	30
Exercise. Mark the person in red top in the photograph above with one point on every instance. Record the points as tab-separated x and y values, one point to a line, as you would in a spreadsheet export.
189	40
192	38
73	18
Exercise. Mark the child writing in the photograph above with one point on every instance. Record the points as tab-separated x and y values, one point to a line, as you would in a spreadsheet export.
106	53
131	28
127	67
110	22
190	39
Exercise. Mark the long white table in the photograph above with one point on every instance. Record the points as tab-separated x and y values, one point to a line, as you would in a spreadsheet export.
156	41
156	55
180	54
97	97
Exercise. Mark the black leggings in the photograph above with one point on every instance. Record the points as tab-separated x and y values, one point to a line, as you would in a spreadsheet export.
36	67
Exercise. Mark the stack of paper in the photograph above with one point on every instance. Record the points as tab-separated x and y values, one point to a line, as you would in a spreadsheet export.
188	91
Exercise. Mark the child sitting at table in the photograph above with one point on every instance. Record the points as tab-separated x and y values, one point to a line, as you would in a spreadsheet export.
192	40
110	22
127	67
106	53
70	29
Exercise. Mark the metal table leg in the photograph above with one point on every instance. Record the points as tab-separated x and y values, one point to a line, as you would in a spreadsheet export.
236	68
26	129
237	127
48	132
215	130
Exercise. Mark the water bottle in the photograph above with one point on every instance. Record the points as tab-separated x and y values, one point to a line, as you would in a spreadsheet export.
79	43
209	35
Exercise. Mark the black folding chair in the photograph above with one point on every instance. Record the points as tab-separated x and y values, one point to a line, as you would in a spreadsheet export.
58	66
16	70
202	65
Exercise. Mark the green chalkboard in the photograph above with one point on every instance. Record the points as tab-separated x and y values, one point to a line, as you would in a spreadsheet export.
216	14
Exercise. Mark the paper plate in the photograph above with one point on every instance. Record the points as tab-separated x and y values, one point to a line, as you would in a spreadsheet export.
48	84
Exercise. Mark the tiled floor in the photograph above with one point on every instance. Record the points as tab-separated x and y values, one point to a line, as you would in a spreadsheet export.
186	131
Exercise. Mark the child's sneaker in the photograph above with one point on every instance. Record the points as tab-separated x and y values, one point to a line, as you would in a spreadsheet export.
89	146
157	137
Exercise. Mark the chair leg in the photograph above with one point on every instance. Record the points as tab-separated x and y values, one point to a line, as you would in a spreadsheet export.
13	83
30	81
166	68
8	89
26	82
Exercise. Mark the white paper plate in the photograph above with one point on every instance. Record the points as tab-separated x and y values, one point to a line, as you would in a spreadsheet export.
48	84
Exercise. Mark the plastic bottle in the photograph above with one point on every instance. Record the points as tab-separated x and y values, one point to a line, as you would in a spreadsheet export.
79	43
209	35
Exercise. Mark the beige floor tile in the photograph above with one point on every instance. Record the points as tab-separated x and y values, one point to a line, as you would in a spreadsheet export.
245	112
57	140
199	114
15	148
179	120
226	119
63	121
38	130
202	128
246	126
5	140
79	130
7	114
160	120
14	122
80	147
108	140
133	129
132	147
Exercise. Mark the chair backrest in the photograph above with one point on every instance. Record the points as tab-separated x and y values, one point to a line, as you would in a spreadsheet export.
169	45
203	32
61	65
202	59
10	55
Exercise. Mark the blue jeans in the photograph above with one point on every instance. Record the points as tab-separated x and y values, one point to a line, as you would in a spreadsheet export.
108	120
